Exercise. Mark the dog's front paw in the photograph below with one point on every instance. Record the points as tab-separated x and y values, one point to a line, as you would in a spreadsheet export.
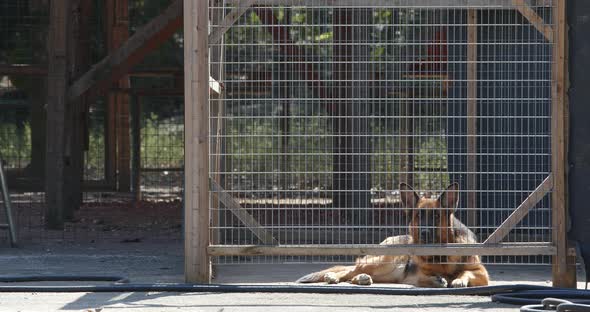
459	283
362	279
439	282
331	278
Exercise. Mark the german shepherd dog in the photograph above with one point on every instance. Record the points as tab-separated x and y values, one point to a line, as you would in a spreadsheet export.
432	221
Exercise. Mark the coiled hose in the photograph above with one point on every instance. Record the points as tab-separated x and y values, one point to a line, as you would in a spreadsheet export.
533	297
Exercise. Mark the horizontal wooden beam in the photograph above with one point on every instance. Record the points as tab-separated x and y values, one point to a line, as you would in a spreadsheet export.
156	72
521	211
513	249
146	39
41	70
485	4
151	91
241	8
534	18
214	88
234	206
23	69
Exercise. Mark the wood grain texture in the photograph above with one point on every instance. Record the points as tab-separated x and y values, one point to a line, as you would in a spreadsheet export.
196	107
562	270
359	250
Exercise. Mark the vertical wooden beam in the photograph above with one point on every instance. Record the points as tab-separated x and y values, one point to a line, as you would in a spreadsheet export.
123	140
110	121
471	116
196	108
136	142
36	89
110	144
37	99
56	166
563	272
119	101
79	62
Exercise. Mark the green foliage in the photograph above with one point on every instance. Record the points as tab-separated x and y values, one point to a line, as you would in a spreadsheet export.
247	34
249	138
94	157
256	147
430	161
257	152
432	156
162	143
162	146
23	29
15	144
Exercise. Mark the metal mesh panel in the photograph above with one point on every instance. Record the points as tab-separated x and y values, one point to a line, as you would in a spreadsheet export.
105	214
327	108
23	29
162	146
15	129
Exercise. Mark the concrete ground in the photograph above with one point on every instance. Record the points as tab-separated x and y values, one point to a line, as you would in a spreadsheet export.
163	262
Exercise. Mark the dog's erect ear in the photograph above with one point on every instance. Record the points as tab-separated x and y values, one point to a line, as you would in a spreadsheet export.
450	197
408	196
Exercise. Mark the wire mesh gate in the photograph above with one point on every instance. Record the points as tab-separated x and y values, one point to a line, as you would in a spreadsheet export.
328	105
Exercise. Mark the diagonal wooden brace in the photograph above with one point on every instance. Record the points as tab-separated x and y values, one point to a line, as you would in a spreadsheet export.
119	62
234	206
229	20
533	18
519	213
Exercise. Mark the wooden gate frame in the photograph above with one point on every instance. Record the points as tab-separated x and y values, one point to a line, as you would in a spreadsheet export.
198	247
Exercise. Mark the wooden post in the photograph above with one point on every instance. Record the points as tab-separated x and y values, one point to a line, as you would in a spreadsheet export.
471	116
110	141
110	121
56	167
116	65
196	112
123	140
136	142
80	60
38	98
564	274
117	33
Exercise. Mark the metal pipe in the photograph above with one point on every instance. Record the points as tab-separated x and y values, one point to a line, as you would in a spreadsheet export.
8	206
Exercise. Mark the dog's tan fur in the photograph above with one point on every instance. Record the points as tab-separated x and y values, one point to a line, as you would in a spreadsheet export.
421	271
